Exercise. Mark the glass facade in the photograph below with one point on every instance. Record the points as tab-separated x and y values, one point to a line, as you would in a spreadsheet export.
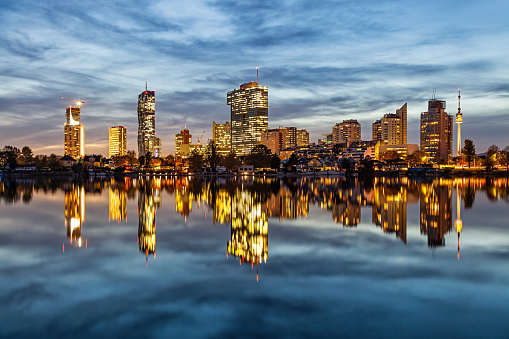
146	120
436	131
117	141
74	133
222	136
249	116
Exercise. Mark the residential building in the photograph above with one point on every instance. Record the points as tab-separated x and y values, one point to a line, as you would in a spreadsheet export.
346	132
273	139
391	129
249	116
436	131
117	141
302	137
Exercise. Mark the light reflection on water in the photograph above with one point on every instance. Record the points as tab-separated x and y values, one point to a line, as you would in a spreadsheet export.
444	248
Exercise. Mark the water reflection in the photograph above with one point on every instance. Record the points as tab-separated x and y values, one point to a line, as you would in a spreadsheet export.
247	205
74	213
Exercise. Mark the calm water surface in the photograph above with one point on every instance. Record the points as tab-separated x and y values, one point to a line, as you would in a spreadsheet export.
253	257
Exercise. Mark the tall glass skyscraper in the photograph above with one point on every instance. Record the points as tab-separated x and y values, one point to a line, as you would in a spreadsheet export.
146	120
249	116
74	133
436	131
117	138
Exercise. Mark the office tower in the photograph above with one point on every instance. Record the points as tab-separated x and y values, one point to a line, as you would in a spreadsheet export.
117	138
402	114
436	131
273	139
222	137
346	132
459	120
154	147
182	138
74	133
302	137
249	116
146	120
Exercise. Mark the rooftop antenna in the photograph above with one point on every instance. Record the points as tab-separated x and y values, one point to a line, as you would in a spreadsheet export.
256	74
146	85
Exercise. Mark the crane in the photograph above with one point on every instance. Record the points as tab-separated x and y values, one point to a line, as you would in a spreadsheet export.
78	101
199	139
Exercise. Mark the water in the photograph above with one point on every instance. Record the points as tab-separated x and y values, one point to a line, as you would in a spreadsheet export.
254	257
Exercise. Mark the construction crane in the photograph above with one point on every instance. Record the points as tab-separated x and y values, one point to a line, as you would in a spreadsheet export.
199	139
78	101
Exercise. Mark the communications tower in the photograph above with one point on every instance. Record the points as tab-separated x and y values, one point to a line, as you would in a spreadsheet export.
459	120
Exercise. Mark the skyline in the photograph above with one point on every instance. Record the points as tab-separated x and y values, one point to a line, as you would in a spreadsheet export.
326	60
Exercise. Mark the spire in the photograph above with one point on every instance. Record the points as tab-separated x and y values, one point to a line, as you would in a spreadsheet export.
459	98
146	85
256	74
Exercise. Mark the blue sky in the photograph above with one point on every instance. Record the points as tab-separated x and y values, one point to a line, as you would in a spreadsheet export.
323	61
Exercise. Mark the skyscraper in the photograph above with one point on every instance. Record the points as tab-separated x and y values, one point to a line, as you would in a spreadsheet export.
146	120
436	131
74	133
391	129
249	116
222	136
346	132
117	138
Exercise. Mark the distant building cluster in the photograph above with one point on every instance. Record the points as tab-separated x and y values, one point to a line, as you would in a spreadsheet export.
248	127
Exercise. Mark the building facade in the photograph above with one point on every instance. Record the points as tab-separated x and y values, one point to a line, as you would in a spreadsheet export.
117	141
182	138
302	137
436	131
146	120
74	133
346	132
273	139
222	137
391	129
249	107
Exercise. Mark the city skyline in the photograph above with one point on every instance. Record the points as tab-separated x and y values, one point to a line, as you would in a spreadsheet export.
328	61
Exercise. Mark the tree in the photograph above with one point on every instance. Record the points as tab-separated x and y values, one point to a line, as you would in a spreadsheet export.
491	157
259	157
170	160
345	164
195	161
275	162
469	151
504	157
230	161
9	156
211	156
416	158
28	155
53	162
132	159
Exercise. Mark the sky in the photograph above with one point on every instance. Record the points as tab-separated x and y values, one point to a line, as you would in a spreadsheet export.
323	62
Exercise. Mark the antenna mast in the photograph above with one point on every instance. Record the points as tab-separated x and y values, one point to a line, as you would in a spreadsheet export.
146	85
256	74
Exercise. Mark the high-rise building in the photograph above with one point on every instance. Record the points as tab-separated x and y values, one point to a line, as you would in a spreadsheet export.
117	138
346	132
74	133
222	137
302	137
289	136
249	116
146	120
436	131
154	147
182	138
402	114
376	130
273	139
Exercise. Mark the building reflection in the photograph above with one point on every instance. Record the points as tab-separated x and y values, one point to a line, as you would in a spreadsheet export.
148	201
74	213
436	211
118	203
390	209
249	229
